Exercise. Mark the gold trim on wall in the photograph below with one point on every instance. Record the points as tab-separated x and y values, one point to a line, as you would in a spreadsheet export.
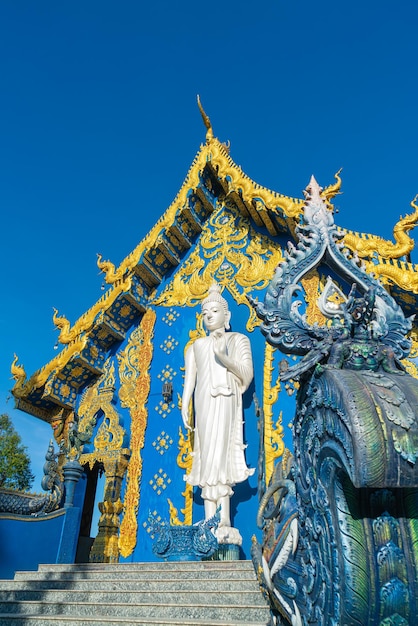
139	417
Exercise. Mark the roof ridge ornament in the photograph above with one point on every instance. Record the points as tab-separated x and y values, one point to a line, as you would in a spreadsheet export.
320	243
206	121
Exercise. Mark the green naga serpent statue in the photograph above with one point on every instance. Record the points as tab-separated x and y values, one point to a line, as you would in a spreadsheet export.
340	521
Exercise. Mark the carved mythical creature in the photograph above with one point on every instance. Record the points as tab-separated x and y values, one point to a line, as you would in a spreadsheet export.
340	526
61	322
111	273
77	439
29	504
19	375
386	249
174	541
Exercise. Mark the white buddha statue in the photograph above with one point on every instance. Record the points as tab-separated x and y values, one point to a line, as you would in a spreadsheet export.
219	369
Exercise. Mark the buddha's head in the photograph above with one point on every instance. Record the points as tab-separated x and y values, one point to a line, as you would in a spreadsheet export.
215	311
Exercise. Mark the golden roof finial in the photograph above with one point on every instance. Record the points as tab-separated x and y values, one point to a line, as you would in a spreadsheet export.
206	121
332	190
17	371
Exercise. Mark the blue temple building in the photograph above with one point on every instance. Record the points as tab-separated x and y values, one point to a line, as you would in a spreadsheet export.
112	394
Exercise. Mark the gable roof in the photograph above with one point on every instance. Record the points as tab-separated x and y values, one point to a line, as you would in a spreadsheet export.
212	177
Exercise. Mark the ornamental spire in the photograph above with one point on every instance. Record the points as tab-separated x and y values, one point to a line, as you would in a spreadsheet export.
206	121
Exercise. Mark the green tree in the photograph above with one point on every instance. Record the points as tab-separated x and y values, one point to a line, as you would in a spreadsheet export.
15	472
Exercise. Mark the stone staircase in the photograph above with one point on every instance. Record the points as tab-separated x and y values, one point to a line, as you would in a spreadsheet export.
198	593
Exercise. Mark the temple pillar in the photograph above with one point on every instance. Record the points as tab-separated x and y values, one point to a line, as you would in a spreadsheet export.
105	546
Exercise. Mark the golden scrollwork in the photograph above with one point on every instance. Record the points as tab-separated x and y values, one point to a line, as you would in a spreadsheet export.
184	461
139	417
129	368
273	435
98	397
231	252
311	284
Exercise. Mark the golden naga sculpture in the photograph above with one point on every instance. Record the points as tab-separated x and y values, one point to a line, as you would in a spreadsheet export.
332	190
387	249
60	322
18	371
387	272
108	268
19	375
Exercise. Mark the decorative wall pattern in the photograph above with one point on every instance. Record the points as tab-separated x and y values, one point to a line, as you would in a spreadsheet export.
231	252
139	416
162	443
273	434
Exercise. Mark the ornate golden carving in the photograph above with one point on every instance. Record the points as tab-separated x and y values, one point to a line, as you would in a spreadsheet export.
414	338
184	461
206	121
311	284
23	387
174	515
273	436
105	547
98	397
139	416
217	153
332	190
399	273
367	245
129	368
85	322
160	481
111	274
237	256
410	367
18	372
107	451
253	194
58	424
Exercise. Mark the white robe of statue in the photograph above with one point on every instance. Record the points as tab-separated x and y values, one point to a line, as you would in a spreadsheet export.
218	371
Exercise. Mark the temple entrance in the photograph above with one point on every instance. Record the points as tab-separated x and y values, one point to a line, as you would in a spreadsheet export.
90	513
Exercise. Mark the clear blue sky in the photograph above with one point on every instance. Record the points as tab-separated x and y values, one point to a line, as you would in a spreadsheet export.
99	124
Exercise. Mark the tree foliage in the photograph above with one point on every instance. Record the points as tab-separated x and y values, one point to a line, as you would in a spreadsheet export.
15	472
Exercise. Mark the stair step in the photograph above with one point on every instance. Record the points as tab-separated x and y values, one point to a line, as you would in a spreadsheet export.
40	620
212	593
173	610
253	597
129	575
152	566
123	585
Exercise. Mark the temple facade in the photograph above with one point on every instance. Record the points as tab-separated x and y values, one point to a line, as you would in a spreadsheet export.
112	395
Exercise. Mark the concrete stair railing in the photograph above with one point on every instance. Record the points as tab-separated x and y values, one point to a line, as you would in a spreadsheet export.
211	593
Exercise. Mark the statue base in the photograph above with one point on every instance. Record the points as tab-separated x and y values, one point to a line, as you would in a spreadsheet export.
225	552
228	535
184	543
